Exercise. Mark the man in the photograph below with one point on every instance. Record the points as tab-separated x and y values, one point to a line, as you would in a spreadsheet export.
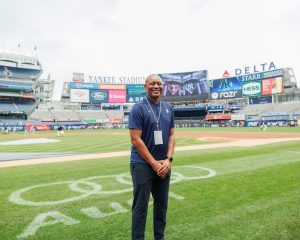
60	131
151	127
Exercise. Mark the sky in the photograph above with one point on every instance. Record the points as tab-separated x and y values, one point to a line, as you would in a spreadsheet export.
140	37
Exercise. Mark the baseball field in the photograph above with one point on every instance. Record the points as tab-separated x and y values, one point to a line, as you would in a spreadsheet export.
227	183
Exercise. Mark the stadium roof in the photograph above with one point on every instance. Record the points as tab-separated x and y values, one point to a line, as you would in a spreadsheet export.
20	58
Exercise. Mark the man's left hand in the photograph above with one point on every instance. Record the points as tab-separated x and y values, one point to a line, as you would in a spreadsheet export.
165	168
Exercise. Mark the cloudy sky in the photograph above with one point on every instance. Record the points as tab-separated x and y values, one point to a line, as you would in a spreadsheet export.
139	37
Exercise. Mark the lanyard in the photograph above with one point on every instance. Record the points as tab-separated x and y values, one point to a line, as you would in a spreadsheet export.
156	119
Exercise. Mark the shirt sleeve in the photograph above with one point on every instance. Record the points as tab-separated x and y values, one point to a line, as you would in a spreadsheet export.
136	118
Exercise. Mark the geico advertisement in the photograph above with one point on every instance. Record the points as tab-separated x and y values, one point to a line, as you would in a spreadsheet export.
225	95
252	88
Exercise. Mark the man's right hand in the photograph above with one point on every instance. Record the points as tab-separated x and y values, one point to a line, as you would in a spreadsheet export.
157	166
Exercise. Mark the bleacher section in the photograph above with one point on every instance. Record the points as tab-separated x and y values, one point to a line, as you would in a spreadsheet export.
92	114
25	107
287	107
8	106
114	114
65	114
41	114
256	109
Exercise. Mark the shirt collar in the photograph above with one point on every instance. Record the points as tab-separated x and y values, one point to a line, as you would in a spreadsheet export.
152	102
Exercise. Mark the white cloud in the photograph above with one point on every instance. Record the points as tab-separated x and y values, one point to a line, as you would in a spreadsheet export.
138	37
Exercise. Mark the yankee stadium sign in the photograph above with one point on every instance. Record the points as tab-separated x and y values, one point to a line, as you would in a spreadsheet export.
116	80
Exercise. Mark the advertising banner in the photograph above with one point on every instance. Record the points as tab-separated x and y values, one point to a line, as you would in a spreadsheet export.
256	68
260	100
215	108
252	88
112	86
225	95
39	127
185	84
238	117
78	85
78	77
19	72
117	96
102	120
98	96
135	93
272	86
115	120
261	75
16	87
80	95
225	84
4	84
267	86
28	96
217	117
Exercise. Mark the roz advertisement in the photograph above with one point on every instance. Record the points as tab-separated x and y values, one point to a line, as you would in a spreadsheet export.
117	96
185	84
252	88
225	95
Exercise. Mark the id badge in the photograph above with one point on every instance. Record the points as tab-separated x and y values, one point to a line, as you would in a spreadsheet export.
158	140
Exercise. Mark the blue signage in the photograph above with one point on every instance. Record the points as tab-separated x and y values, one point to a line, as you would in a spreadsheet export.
215	108
98	96
261	75
260	100
76	85
225	84
17	87
135	93
19	73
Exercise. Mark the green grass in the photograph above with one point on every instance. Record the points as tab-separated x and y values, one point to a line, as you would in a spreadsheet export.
244	129
255	194
85	143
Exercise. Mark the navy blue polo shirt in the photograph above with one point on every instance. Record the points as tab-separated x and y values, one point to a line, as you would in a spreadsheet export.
141	118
